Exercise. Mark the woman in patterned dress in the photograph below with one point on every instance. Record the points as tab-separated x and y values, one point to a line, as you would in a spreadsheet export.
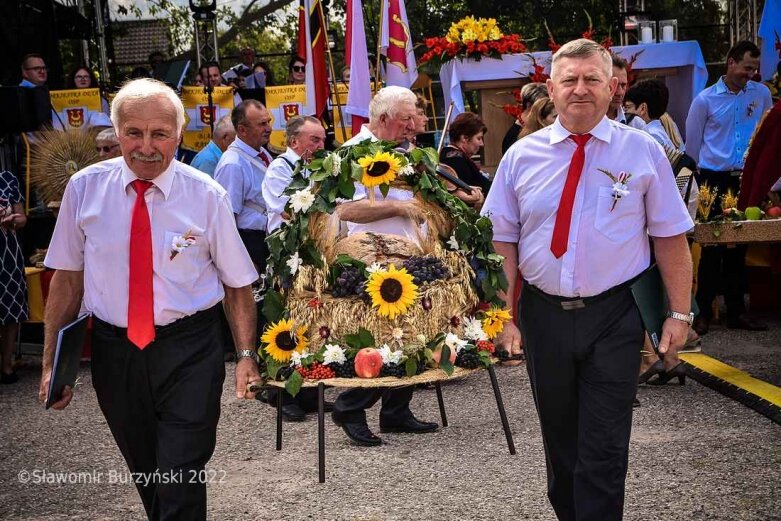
13	287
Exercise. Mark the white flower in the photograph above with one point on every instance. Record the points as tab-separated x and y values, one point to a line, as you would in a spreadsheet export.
473	329
296	358
375	268
389	356
453	243
620	190
302	200
398	335
294	262
454	343
333	354
336	165
179	243
407	170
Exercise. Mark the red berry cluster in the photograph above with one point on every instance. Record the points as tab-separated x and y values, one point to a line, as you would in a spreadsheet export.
316	371
486	345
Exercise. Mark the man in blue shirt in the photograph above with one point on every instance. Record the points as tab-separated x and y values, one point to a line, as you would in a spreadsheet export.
34	72
721	120
206	160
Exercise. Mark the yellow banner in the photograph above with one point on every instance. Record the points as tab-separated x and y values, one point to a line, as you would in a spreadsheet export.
342	132
197	132
283	102
77	109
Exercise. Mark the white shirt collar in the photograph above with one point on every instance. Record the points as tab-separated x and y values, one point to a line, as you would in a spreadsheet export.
163	182
291	154
241	145
603	131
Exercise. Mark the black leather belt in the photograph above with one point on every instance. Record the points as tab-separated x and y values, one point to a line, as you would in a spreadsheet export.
206	315
731	173
574	303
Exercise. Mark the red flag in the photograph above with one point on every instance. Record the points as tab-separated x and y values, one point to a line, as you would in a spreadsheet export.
397	45
311	47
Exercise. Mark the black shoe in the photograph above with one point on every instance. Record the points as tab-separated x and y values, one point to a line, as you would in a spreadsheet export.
327	407
743	322
636	403
9	378
293	412
360	434
412	425
701	325
679	371
656	368
262	396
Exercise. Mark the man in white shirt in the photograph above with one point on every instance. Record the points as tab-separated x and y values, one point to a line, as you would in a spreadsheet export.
152	276
615	110
241	170
580	238
206	160
305	135
719	127
391	118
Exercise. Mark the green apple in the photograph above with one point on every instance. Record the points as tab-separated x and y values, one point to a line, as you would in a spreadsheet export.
753	213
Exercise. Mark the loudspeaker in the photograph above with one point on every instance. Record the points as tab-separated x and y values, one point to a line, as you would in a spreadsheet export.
24	109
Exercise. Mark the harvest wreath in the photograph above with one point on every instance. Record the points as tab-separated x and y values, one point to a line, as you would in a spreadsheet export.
369	305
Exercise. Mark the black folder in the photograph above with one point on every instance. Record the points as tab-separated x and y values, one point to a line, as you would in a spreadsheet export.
70	343
651	299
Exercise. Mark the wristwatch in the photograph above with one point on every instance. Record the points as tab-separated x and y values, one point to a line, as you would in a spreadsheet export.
248	353
683	317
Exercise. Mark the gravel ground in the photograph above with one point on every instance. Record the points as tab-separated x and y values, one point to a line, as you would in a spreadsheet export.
694	455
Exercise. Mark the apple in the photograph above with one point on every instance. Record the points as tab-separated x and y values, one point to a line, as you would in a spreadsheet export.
774	212
437	355
368	363
753	213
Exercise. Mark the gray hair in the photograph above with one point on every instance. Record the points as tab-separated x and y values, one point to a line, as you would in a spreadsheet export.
387	101
107	135
223	126
146	89
239	112
531	92
583	48
295	124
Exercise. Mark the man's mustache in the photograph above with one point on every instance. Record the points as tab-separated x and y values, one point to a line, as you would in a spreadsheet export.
152	158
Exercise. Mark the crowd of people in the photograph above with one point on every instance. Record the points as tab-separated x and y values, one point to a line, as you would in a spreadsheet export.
557	222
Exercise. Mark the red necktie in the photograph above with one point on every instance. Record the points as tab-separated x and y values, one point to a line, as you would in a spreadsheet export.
140	302
263	158
558	244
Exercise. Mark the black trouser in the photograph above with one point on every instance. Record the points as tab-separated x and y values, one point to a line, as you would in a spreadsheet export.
162	405
722	269
583	367
350	406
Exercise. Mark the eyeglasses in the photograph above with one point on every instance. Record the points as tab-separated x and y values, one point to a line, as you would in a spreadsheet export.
81	77
106	149
36	69
299	68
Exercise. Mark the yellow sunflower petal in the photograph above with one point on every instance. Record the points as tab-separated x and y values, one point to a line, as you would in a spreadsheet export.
392	291
381	168
280	342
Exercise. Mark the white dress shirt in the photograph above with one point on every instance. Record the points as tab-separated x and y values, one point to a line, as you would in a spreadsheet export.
657	131
403	226
721	122
636	122
277	179
240	171
93	235
605	248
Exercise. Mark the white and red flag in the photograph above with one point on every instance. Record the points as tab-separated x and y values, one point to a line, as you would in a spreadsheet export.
311	47
359	93
396	42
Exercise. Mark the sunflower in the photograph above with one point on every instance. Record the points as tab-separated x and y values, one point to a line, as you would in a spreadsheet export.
381	168
493	321
392	291
280	342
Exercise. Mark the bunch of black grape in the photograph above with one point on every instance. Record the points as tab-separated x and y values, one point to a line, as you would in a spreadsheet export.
284	372
397	370
468	359
426	269
350	282
344	370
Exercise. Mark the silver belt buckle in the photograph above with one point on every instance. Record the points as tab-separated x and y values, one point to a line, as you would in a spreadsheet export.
570	305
